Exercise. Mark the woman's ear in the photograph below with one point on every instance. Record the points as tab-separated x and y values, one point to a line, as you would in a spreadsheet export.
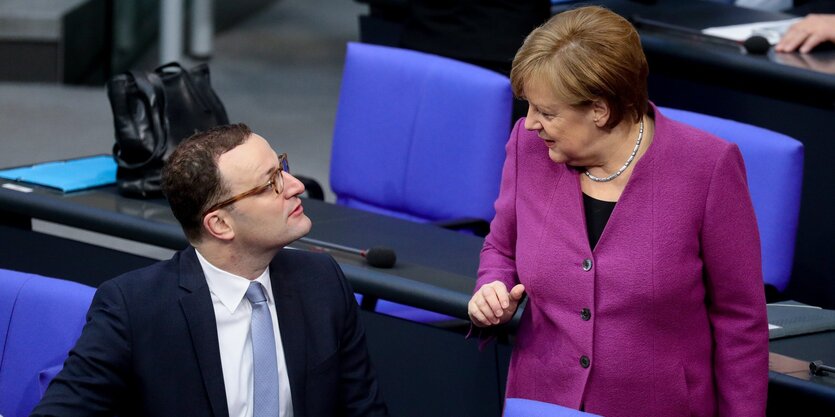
600	112
218	224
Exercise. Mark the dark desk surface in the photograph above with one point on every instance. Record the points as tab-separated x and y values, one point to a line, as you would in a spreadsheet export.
800	393
786	76
430	275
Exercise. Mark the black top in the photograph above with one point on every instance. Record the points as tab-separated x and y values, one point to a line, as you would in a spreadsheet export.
473	30
597	215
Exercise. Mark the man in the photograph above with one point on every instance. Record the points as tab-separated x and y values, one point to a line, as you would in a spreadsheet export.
234	325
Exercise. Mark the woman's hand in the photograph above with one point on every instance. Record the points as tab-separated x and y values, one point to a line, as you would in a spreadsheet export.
806	34
492	304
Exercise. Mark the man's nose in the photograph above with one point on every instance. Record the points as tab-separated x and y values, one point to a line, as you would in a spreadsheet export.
292	185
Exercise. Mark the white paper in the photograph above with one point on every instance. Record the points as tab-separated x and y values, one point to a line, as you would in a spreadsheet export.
772	31
16	187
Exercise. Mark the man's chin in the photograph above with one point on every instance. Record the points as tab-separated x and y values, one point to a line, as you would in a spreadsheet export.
303	227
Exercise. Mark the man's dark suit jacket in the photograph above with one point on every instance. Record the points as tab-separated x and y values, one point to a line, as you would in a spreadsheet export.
150	345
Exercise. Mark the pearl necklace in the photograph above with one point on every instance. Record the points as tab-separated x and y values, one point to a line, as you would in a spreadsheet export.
628	160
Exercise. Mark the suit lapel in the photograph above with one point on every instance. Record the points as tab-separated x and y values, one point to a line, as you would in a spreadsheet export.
292	329
200	316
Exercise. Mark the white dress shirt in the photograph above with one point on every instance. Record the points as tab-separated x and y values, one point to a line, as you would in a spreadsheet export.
233	314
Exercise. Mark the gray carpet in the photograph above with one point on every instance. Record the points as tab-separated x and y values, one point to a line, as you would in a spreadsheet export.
278	71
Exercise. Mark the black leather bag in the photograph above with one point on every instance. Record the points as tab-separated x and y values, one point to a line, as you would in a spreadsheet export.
152	113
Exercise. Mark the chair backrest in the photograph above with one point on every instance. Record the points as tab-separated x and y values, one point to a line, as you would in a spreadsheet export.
774	165
40	320
419	136
521	407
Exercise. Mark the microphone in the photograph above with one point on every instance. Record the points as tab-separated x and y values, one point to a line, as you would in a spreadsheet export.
757	45
818	368
378	256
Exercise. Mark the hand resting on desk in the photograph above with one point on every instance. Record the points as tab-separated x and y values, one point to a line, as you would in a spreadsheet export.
492	304
808	33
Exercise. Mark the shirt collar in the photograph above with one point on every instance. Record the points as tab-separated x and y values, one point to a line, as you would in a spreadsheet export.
229	288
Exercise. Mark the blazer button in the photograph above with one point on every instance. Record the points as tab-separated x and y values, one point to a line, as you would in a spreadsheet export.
586	264
585	314
584	361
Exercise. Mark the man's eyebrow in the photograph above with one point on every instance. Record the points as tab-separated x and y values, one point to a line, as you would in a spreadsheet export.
270	171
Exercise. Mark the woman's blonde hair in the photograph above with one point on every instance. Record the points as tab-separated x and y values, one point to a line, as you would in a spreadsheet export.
586	54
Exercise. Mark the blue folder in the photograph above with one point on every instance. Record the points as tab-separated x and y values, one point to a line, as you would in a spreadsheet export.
67	176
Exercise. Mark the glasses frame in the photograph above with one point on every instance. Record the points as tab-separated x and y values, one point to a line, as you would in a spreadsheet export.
277	179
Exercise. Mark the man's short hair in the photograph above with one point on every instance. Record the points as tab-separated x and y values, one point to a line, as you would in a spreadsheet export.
191	179
586	54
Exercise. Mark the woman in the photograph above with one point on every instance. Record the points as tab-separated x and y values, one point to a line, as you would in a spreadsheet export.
633	237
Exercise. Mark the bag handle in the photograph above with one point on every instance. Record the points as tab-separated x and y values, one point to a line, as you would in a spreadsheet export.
152	94
192	89
202	96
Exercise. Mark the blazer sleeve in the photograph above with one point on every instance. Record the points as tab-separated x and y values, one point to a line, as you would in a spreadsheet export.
498	255
736	297
93	380
359	390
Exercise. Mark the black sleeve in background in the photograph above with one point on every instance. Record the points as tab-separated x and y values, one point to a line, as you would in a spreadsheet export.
804	7
475	31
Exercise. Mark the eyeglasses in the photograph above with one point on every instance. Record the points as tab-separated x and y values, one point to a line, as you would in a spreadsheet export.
276	182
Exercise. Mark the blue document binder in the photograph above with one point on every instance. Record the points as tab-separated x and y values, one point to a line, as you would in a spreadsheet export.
67	176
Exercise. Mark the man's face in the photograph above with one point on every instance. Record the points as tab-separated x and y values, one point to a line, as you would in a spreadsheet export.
265	221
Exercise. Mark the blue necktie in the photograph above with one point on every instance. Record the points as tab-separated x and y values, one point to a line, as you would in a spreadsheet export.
264	368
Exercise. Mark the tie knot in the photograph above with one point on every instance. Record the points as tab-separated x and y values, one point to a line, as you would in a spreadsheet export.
255	293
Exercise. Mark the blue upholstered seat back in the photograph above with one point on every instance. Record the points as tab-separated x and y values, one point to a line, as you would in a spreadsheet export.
521	407
419	136
40	320
774	164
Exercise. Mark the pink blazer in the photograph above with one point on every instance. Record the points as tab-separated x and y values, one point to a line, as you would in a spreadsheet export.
666	317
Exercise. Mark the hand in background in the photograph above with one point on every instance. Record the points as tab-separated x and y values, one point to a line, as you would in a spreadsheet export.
492	304
808	33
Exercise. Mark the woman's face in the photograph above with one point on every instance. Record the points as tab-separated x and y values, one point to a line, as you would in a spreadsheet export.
570	133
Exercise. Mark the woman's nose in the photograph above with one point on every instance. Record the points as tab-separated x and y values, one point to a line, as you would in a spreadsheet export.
531	122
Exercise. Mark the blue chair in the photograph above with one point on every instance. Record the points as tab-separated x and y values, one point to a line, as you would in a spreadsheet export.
418	136
40	320
521	407
421	138
774	164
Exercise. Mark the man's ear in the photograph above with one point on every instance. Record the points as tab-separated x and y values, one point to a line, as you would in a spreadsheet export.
218	224
601	112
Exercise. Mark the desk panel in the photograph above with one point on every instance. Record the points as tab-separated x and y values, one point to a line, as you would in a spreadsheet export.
812	395
435	268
